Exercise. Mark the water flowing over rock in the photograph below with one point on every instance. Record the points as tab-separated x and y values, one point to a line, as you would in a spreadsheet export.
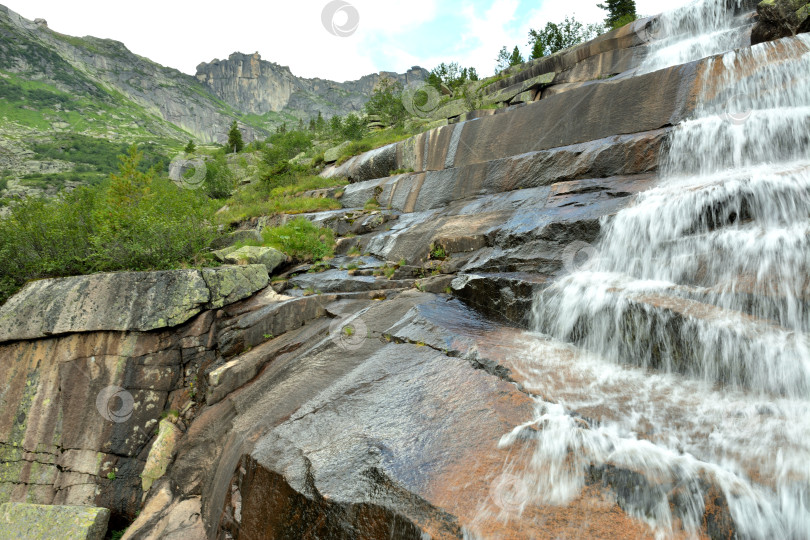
704	275
582	315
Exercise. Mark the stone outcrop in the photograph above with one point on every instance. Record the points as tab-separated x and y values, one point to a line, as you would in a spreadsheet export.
89	365
269	257
780	18
124	301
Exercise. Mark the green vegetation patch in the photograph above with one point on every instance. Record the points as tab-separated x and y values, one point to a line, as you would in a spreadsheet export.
301	239
133	221
100	154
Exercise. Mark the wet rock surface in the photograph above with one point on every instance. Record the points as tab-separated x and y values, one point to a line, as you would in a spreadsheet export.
392	391
779	19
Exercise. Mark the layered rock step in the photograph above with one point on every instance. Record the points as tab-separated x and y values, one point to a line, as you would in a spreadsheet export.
675	334
87	367
601	110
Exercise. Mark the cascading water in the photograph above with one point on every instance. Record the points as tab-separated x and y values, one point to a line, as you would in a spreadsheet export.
694	31
690	325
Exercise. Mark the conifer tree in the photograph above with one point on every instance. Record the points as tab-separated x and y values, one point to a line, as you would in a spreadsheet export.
620	12
235	143
516	58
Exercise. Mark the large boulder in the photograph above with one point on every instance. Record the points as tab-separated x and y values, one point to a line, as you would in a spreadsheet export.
780	18
40	522
332	155
123	301
269	257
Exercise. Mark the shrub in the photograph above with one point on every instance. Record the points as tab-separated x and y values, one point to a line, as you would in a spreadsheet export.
133	221
144	222
452	75
46	238
354	149
620	12
301	239
219	179
286	145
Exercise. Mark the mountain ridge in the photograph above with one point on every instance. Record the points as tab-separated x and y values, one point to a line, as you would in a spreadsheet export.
156	87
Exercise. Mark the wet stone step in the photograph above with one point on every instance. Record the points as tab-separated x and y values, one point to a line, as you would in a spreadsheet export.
679	335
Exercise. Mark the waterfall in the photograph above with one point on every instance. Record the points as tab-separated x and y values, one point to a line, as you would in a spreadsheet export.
697	30
686	333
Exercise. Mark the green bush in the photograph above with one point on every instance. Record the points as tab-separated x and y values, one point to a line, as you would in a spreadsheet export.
301	239
96	154
354	149
133	221
284	146
620	12
219	180
235	142
144	222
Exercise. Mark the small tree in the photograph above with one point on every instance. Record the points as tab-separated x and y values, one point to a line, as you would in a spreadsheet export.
320	123
235	143
620	12
502	61
386	101
336	125
452	75
515	58
190	147
354	128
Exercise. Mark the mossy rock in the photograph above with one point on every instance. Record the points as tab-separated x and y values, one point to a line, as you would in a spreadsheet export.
41	522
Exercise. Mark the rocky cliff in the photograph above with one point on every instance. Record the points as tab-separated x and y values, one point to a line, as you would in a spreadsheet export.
163	101
394	392
256	86
151	100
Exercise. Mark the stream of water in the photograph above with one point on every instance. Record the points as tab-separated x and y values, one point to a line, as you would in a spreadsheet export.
680	351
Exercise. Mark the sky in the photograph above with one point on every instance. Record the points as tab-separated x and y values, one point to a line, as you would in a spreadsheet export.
331	39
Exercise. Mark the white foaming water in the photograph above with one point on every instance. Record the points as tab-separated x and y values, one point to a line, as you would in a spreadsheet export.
695	314
697	30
